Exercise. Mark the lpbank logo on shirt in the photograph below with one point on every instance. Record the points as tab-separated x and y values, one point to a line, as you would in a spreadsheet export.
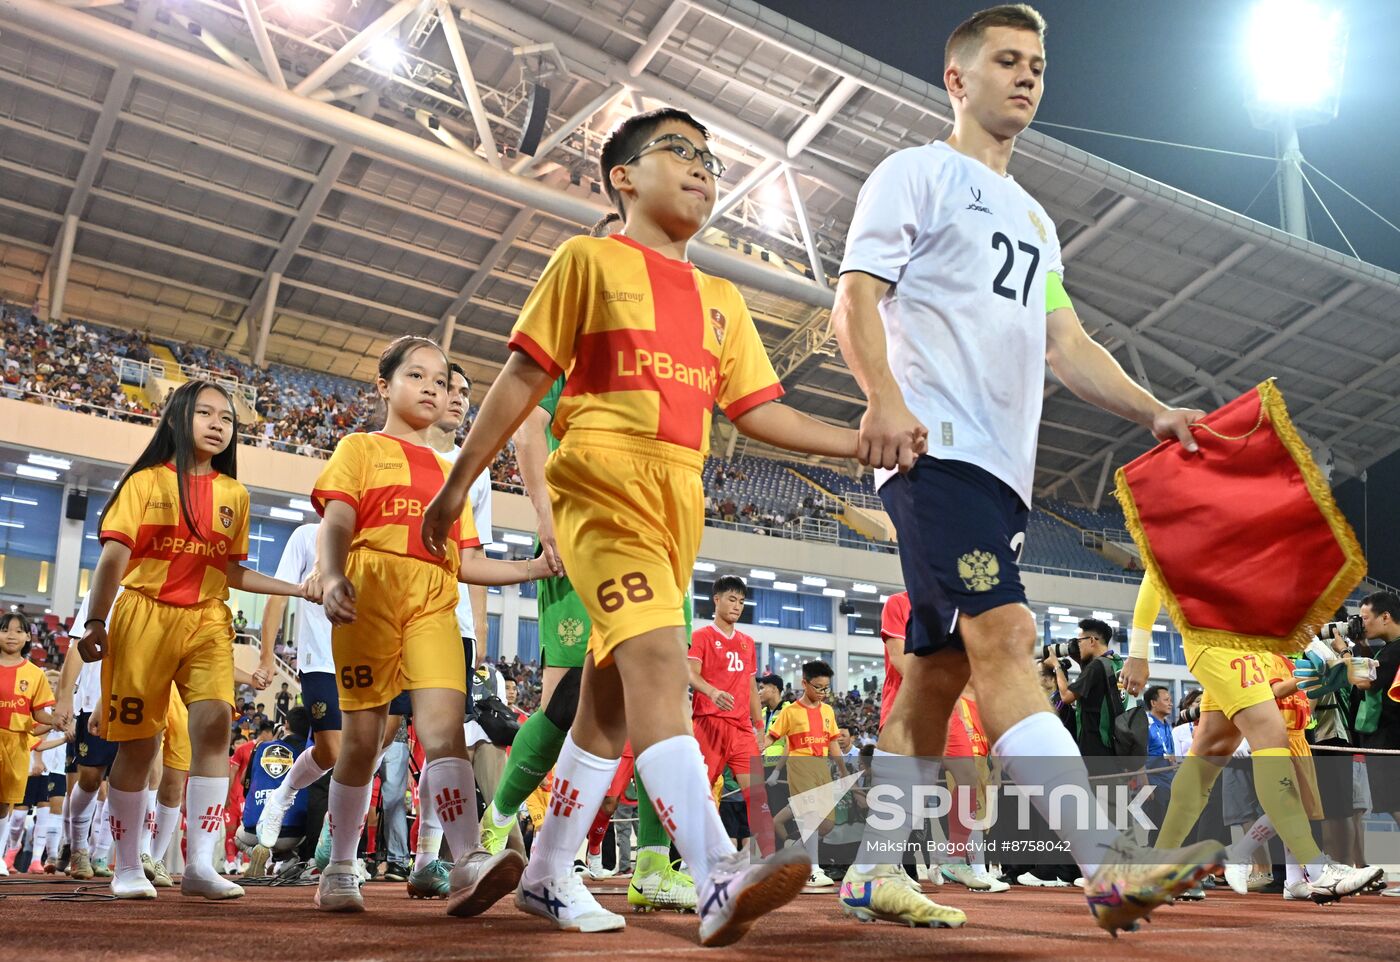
977	202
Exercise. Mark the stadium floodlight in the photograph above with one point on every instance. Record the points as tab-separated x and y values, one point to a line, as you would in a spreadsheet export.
812	581
705	566
1057	611
759	574
785	586
1296	50
286	514
49	461
300	504
864	588
38	474
834	592
385	53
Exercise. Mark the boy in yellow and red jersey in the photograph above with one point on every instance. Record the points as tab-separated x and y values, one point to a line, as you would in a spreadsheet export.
650	345
25	700
808	729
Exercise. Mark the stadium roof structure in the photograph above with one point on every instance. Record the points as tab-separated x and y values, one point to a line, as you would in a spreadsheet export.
300	180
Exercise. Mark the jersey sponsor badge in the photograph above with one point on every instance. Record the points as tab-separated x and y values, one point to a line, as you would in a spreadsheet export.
276	760
226	516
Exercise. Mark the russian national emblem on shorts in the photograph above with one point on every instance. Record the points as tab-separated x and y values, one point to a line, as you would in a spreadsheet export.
226	516
83	750
979	570
318	710
570	632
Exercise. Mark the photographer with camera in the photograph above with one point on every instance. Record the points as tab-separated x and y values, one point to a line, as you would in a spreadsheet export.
1378	715
1094	694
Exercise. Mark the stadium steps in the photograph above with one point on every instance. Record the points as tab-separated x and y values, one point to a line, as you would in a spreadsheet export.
857	519
1110	552
172	363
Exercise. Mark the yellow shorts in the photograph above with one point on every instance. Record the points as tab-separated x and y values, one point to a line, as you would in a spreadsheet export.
806	772
1306	770
1231	680
979	788
153	644
14	766
405	635
629	514
175	746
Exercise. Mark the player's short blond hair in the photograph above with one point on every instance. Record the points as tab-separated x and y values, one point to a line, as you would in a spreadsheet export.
966	39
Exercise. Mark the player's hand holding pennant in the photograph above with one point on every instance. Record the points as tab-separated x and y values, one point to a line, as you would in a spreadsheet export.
1243	535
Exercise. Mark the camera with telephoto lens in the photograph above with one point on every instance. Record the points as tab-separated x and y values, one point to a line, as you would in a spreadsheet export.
1193	714
1351	630
1064	651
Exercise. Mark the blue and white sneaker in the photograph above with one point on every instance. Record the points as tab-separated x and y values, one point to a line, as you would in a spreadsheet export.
567	903
740	891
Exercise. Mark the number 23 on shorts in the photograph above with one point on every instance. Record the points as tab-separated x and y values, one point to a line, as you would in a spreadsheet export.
1250	671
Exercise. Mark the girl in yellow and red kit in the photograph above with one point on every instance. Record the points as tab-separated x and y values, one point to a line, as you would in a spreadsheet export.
172	536
392	604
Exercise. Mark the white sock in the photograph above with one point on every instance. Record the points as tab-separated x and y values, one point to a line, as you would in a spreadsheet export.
1314	869
812	843
346	809
42	819
673	771
55	834
1293	872
1039	751
204	803
883	846
17	818
429	828
126	813
81	805
305	771
1244	847
149	824
102	842
976	855
167	821
454	802
581	780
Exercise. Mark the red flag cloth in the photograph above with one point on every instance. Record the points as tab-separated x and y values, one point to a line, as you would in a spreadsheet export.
1243	537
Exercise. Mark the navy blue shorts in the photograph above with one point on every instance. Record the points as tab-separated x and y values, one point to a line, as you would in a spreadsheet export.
321	697
960	531
92	751
40	788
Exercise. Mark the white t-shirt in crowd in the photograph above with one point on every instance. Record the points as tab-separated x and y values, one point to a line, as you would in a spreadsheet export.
966	252
313	628
480	498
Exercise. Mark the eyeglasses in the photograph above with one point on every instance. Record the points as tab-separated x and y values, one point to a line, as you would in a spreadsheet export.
683	149
819	691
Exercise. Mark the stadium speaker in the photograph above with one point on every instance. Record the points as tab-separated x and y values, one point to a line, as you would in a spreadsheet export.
76	509
535	119
847	608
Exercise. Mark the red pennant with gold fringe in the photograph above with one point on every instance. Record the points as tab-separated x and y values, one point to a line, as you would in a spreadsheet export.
1243	537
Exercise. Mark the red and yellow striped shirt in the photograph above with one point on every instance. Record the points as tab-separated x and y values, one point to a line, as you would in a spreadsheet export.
24	689
649	344
808	731
169	563
389	482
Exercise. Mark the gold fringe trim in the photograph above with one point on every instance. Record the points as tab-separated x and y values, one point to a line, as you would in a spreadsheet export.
1348	576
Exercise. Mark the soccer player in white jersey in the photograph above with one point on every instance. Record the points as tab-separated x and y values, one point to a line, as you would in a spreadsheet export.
950	303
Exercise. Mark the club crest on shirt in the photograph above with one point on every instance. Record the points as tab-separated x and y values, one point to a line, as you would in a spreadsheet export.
1039	226
979	570
718	322
23	685
570	632
276	760
226	516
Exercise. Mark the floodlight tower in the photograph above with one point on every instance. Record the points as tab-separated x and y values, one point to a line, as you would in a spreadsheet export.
1297	50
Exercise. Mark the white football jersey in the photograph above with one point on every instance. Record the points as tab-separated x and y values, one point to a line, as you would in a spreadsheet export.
966	251
480	498
87	691
313	629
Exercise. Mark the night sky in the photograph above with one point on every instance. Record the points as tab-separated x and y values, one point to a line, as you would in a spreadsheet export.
1176	71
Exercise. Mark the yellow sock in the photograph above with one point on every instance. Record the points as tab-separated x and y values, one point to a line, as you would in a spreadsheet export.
1276	783
1190	792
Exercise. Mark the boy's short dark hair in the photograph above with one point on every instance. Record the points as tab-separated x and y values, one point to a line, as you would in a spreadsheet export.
816	669
299	722
267	727
729	583
770	679
1096	627
629	137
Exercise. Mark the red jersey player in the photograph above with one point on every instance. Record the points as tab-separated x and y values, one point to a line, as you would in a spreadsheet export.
726	710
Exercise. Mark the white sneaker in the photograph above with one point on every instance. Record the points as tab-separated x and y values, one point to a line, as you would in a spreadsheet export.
1392	893
1237	877
1036	882
479	880
994	884
270	821
213	887
132	885
739	891
1339	881
565	902
4	869
1297	892
963	874
339	889
819	879
595	868
921	871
